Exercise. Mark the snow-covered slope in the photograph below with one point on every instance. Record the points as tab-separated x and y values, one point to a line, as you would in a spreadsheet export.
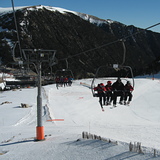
138	122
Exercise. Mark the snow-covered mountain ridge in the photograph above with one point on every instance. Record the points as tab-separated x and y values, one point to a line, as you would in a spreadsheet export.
87	17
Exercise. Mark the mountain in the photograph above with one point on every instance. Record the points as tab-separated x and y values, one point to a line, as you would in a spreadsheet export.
83	42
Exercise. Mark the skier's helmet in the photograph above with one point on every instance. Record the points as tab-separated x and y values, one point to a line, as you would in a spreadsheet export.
101	84
109	82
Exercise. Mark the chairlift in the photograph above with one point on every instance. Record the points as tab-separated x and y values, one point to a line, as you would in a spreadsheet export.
64	72
111	73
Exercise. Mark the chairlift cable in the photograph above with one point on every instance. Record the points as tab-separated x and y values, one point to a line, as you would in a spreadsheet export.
90	50
142	30
124	38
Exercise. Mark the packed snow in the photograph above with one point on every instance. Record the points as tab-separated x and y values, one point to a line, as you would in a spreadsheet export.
80	111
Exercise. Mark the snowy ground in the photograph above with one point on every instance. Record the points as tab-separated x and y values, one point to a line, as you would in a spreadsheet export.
138	122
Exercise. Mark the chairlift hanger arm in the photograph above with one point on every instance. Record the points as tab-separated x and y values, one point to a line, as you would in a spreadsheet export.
124	51
131	75
66	63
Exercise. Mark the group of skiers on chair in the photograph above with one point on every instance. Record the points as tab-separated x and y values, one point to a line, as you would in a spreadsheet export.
110	92
63	81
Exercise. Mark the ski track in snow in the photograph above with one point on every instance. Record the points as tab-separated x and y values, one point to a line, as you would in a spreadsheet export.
31	117
27	119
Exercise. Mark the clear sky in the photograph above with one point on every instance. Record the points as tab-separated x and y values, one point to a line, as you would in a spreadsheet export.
140	13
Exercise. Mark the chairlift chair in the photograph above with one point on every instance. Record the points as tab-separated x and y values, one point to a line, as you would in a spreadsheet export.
64	72
111	73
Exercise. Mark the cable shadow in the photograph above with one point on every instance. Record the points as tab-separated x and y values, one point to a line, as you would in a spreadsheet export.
92	143
124	155
25	141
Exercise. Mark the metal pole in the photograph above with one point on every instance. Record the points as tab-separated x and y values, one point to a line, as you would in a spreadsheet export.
39	98
40	128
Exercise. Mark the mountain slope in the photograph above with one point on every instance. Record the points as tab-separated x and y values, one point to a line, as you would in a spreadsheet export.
85	41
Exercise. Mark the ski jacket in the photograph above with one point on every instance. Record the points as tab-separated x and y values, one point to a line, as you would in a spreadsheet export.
108	88
61	79
128	87
57	79
118	86
65	79
70	79
100	88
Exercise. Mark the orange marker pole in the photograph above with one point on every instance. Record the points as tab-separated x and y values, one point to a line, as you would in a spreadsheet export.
39	128
40	133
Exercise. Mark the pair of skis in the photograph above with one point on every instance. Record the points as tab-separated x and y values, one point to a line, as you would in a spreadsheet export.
107	105
113	107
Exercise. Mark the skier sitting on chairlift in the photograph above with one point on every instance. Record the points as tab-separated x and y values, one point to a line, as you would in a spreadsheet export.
101	93
70	79
128	93
65	81
61	81
118	90
109	92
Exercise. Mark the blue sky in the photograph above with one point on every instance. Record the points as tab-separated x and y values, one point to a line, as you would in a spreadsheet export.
140	13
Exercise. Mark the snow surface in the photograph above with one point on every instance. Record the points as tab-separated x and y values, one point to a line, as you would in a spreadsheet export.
138	122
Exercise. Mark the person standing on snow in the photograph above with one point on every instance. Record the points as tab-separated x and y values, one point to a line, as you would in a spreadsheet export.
101	94
128	93
118	90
